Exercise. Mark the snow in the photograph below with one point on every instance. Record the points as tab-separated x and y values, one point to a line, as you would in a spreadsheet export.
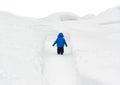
89	16
91	58
62	16
110	15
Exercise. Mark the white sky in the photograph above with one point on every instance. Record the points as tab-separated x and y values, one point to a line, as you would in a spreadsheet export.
42	8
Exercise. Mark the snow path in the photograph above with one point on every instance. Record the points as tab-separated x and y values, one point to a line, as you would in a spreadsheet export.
59	69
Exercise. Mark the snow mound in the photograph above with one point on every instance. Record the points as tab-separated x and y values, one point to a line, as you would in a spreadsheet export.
112	14
8	17
5	13
62	16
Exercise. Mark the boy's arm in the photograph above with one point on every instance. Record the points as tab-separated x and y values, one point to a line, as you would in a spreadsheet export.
65	43
54	42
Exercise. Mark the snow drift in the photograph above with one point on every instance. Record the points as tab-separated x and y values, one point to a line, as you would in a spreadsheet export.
62	16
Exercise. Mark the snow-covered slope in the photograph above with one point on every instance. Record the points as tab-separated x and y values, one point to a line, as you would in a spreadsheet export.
112	14
91	58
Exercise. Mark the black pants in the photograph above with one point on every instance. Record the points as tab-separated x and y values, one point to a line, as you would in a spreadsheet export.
60	50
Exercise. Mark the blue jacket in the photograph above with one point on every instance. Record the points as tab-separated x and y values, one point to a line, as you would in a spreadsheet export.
60	41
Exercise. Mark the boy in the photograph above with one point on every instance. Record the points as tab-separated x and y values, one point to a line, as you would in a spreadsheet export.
60	41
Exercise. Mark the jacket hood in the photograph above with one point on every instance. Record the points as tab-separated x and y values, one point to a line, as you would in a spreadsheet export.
60	35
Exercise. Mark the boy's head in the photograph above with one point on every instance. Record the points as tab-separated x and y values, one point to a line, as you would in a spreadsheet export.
60	35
